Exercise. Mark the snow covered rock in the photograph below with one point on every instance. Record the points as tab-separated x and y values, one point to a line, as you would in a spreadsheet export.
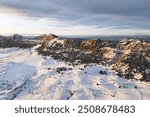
134	64
129	57
76	70
46	38
16	41
16	38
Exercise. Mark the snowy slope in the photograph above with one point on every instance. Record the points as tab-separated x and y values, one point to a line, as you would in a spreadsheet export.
24	74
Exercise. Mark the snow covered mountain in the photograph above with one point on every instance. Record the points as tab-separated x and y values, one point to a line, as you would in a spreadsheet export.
130	58
16	41
51	67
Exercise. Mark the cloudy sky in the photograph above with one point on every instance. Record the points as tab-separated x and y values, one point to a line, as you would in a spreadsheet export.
75	17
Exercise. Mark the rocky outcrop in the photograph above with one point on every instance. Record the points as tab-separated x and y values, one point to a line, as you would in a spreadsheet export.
46	38
16	38
15	41
5	41
134	62
130	58
77	50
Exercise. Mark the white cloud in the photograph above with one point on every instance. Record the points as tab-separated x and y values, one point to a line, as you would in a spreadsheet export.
75	17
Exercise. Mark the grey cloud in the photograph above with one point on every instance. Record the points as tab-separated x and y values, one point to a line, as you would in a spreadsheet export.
96	13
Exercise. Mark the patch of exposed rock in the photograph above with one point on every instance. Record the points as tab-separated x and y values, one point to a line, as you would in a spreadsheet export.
134	62
46	38
76	50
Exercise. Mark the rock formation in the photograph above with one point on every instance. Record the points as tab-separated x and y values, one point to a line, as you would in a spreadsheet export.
130	58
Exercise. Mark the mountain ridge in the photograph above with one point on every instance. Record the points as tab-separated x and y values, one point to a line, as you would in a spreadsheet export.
129	57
